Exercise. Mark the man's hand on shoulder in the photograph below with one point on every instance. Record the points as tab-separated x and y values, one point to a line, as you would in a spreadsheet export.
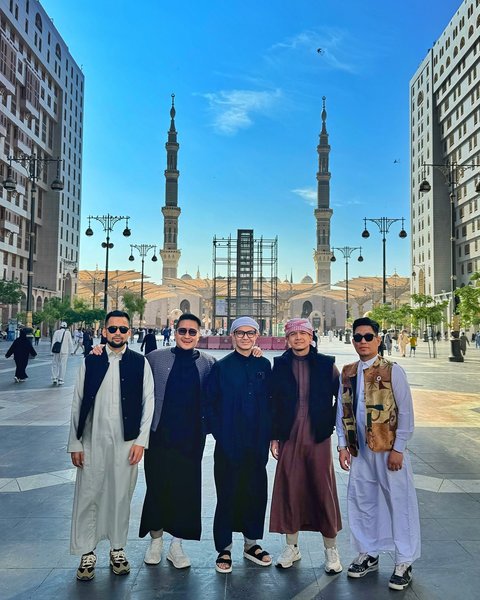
136	453
97	350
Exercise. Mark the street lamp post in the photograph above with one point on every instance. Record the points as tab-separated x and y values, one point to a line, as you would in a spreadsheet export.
143	250
108	222
451	171
384	224
347	252
34	166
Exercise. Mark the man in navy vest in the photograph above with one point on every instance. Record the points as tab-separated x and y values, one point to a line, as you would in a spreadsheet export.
111	416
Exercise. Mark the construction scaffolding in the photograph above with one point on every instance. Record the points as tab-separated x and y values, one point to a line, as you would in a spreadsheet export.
245	280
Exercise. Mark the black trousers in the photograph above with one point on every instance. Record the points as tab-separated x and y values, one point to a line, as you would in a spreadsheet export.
241	496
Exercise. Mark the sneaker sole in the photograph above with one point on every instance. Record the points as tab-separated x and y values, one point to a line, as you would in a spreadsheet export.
288	565
333	571
152	562
121	571
86	577
397	586
366	572
177	565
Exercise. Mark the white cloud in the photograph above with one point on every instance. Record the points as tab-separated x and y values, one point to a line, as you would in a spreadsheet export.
307	194
234	109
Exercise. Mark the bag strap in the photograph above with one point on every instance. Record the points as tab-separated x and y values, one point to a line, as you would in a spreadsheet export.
63	337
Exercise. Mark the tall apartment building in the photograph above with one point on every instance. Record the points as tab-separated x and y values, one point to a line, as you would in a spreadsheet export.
445	130
41	115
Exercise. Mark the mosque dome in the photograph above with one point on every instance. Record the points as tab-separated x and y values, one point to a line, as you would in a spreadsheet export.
186	277
307	279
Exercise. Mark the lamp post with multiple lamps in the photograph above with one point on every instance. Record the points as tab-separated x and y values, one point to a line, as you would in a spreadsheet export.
34	166
347	252
451	171
384	224
108	222
143	250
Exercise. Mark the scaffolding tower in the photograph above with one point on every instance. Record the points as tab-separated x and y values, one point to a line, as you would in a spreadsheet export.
245	280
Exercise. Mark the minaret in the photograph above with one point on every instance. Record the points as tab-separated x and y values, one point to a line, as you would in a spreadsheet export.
171	211
323	212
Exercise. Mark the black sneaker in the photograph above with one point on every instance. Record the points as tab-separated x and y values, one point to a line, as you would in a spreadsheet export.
86	570
363	564
119	562
401	577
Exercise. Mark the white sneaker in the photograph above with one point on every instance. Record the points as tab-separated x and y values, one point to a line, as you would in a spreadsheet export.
332	561
177	556
60	382
289	555
153	555
54	381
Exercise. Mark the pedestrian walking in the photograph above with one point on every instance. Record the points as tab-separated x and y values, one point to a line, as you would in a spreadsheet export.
173	469
387	340
111	415
413	344
477	340
149	342
403	340
304	390
463	343
238	414
166	332
37	334
78	340
21	349
374	423
62	347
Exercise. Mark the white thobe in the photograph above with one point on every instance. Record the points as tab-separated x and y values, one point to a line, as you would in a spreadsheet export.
59	360
382	504
105	485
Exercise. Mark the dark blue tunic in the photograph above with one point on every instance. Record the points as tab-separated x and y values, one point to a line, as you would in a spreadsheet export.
238	414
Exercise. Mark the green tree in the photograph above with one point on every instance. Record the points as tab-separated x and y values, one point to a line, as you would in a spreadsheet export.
469	305
383	314
133	304
427	315
54	309
10	292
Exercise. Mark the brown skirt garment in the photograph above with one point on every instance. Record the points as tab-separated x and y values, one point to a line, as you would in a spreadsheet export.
304	492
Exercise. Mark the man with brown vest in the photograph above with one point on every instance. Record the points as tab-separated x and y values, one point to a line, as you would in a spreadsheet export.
374	423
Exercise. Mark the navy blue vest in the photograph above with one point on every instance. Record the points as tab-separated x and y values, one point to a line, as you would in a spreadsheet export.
131	387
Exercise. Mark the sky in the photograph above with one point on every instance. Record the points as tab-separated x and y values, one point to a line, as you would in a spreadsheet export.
248	79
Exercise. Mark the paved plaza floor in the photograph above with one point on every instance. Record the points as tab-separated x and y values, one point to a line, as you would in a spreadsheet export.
36	492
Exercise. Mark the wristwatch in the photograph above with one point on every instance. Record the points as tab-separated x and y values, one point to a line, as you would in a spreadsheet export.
341	448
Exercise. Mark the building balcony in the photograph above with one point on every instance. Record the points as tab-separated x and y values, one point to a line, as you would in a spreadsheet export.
6	86
28	109
3	126
23	146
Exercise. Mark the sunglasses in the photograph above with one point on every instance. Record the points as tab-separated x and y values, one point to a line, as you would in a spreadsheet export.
184	331
368	337
242	334
113	328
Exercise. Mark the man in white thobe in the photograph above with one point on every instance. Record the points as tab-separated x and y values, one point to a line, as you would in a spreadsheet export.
374	424
111	417
59	359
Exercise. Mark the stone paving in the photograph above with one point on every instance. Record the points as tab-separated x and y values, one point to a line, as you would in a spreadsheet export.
36	491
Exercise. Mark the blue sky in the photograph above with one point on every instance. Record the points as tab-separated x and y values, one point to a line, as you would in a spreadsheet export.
249	84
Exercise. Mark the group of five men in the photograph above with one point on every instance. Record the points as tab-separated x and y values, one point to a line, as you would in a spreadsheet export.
168	401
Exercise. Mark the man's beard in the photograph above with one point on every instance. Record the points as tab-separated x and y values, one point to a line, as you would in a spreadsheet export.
116	344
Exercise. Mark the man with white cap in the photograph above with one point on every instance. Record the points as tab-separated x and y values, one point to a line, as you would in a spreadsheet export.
60	353
238	414
304	389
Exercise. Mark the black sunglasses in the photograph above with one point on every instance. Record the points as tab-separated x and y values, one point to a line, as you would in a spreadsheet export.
183	331
368	337
113	328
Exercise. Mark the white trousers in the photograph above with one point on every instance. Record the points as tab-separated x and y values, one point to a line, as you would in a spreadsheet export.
59	365
383	507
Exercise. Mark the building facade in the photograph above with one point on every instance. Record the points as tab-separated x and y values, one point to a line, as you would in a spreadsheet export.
41	117
445	152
